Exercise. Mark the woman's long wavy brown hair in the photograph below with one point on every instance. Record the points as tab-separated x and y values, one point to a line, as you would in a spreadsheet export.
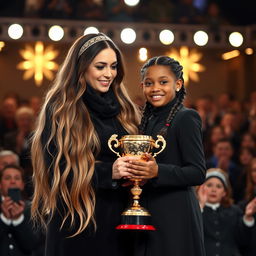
71	131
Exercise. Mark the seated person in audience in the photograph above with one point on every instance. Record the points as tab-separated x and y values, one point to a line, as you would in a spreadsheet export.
19	142
7	116
214	134
222	158
246	154
231	125
250	194
8	157
17	236
226	228
252	127
247	140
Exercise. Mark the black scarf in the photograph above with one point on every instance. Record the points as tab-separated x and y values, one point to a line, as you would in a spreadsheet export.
104	105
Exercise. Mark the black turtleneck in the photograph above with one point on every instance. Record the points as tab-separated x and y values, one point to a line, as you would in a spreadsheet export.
104	105
104	109
159	116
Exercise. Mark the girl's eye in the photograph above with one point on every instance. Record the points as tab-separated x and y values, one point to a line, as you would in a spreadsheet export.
163	82
114	67
147	84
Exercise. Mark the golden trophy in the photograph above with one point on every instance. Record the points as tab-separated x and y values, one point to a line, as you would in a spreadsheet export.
136	217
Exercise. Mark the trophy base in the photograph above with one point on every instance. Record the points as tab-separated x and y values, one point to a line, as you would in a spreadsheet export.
136	219
135	227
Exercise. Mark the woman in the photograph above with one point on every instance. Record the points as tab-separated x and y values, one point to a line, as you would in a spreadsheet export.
77	193
168	193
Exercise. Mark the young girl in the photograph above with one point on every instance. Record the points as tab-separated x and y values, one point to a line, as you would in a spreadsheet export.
77	193
226	228
168	193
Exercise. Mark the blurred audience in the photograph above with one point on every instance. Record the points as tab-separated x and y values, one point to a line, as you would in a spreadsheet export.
17	236
212	13
227	228
8	157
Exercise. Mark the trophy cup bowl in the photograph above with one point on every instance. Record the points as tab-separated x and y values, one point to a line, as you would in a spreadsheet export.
135	216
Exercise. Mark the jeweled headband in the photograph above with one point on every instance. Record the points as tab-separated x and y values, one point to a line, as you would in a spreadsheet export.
91	42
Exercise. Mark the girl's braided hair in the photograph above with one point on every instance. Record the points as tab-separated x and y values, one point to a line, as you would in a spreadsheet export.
176	69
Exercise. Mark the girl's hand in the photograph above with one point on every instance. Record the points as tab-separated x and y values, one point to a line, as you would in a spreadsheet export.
202	196
144	167
250	209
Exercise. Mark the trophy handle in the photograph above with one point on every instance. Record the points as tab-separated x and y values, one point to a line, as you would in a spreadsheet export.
156	144
116	144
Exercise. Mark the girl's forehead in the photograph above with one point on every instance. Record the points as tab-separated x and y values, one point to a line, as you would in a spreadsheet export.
158	71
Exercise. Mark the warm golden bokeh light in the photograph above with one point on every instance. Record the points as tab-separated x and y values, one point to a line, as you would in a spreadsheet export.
2	44
38	62
230	55
189	60
249	51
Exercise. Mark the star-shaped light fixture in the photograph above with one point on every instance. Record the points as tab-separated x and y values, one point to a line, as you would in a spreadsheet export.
189	61
38	62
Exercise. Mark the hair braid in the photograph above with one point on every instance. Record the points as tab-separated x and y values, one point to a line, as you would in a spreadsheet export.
180	97
147	112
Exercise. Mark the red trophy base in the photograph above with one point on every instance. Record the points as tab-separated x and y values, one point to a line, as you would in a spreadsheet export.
135	227
136	219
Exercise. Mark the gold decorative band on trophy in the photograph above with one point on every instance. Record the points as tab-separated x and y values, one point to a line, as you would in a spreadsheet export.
136	217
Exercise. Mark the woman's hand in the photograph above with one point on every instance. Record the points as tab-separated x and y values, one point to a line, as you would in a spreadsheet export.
144	167
120	168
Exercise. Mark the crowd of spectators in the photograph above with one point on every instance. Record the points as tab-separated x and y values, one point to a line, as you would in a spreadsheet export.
211	12
229	136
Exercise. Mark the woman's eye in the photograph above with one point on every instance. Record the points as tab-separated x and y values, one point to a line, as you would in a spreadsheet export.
114	67
99	67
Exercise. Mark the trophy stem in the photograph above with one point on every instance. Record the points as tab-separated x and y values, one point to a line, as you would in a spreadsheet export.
136	217
136	191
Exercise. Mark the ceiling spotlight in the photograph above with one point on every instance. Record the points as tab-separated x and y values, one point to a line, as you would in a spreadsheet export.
166	37
236	39
131	2
201	38
128	35
15	31
56	33
91	30
143	54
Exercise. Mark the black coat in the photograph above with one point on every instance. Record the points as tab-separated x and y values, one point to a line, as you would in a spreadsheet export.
20	240
170	197
248	247
111	200
224	231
